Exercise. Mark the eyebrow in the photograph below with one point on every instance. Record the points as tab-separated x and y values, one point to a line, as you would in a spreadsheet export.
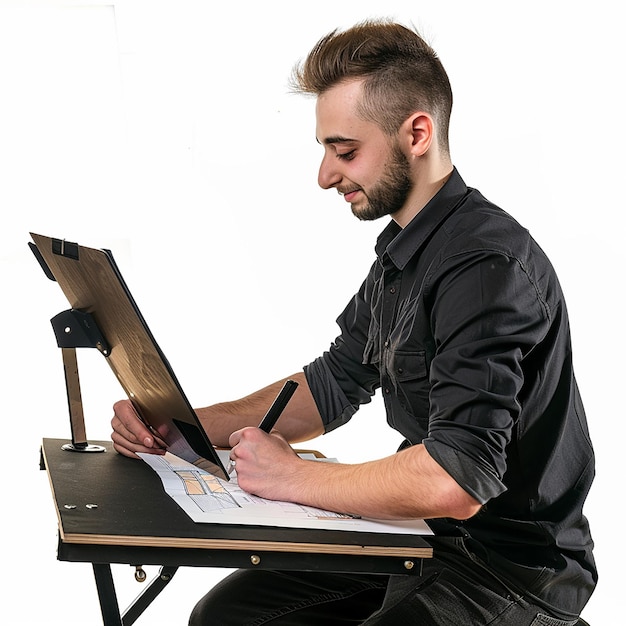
336	139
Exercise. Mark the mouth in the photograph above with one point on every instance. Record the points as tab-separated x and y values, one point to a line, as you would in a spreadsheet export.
349	195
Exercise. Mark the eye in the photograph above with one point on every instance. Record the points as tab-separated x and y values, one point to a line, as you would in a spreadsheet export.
347	156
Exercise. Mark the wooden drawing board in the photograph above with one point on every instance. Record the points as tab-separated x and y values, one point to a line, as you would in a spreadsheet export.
92	283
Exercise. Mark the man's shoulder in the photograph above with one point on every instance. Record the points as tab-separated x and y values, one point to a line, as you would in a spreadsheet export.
479	224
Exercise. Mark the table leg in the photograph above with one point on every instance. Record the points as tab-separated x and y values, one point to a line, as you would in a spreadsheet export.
108	598
106	592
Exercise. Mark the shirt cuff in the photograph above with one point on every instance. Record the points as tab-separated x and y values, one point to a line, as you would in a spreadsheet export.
332	403
476	480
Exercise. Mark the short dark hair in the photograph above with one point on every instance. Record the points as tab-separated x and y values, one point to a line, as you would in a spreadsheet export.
401	73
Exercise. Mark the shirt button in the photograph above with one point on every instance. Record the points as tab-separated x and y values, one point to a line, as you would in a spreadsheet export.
392	290
387	390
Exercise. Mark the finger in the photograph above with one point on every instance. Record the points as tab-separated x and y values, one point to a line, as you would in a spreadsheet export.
235	438
125	412
129	448
122	446
127	422
138	434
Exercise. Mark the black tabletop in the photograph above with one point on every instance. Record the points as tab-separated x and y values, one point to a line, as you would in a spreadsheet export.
114	509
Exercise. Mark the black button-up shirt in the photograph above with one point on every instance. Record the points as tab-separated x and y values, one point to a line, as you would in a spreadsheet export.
462	324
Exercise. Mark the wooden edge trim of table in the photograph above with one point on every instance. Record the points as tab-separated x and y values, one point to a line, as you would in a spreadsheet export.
237	544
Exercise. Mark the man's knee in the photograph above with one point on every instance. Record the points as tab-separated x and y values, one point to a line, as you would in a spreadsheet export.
222	604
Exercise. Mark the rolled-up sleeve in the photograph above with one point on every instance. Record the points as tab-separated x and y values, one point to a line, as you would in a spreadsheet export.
331	401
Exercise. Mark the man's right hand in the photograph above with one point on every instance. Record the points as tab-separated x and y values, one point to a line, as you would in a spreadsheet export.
130	435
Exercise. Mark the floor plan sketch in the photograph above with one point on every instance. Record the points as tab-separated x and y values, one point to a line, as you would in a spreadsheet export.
206	490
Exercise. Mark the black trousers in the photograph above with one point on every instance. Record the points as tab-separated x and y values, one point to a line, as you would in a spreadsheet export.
451	591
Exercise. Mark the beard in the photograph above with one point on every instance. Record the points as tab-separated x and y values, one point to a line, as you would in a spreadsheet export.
390	194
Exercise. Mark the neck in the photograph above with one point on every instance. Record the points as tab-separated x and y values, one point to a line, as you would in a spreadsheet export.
428	181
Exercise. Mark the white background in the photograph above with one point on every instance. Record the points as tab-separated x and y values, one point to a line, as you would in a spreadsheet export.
165	132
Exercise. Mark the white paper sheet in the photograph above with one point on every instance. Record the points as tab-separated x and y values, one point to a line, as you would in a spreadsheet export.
208	499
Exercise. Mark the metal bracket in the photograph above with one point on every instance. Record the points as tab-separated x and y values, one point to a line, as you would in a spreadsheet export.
77	329
145	598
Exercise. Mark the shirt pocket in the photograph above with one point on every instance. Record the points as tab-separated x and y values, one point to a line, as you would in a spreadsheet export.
408	372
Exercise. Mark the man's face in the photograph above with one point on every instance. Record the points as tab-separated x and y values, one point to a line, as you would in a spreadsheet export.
360	161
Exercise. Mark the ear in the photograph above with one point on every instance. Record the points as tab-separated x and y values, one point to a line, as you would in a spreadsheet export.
419	133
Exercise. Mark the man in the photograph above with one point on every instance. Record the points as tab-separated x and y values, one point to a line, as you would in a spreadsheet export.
462	325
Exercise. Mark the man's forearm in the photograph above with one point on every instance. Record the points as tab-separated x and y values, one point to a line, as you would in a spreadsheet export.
409	484
300	421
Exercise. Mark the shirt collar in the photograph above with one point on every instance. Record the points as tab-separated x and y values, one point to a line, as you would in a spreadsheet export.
400	244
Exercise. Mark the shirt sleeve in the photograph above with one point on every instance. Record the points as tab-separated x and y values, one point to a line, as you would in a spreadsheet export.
339	379
487	316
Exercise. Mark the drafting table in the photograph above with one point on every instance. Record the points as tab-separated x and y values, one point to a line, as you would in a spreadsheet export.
112	509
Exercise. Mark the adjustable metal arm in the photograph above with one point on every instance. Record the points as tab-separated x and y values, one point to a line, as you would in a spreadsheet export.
77	329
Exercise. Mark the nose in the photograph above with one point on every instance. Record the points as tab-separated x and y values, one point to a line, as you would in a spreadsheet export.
328	175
